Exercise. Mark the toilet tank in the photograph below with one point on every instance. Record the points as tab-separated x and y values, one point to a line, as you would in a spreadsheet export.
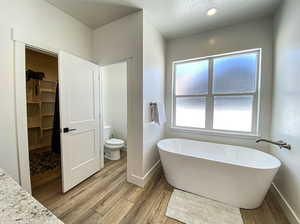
107	132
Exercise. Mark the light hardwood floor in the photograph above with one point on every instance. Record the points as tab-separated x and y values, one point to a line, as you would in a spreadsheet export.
107	198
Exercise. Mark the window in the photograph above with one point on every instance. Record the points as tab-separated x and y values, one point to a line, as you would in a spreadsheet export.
217	93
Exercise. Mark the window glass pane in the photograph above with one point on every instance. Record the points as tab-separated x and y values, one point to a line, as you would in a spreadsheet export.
190	112
233	113
191	78
235	74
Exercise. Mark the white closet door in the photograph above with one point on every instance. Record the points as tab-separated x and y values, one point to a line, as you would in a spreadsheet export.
79	110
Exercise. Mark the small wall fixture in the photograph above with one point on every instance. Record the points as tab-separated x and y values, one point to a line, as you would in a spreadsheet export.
280	143
211	12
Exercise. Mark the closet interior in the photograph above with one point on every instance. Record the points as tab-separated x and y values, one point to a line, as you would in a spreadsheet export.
43	117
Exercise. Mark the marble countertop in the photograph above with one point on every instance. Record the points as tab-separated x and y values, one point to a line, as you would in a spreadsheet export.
18	206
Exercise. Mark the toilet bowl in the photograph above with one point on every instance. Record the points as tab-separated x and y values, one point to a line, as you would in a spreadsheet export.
112	146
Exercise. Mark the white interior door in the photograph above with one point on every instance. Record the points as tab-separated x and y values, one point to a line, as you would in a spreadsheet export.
79	85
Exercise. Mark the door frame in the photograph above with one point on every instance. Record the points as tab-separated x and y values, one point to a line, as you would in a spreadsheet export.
101	96
130	126
21	107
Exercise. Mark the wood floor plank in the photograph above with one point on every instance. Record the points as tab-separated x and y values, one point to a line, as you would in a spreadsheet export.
48	191
118	212
144	195
248	216
137	194
91	217
261	215
82	192
106	203
134	194
143	212
265	214
276	209
71	215
106	198
159	210
172	221
59	199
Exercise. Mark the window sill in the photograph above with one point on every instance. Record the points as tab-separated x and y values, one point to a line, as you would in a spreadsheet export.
216	133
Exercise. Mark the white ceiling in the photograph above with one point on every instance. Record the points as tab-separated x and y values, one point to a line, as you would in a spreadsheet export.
93	13
173	18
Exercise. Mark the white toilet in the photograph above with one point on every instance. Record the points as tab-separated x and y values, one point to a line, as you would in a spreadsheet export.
112	146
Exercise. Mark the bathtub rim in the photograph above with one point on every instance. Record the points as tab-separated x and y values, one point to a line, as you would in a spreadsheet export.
279	163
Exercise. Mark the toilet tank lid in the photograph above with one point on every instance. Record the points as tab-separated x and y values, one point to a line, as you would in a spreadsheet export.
107	127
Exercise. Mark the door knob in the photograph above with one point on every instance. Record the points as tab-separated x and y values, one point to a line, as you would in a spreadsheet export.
66	130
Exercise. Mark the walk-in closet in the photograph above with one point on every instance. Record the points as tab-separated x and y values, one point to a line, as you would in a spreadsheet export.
43	117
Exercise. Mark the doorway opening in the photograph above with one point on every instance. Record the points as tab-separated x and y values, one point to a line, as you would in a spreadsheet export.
113	127
114	98
65	146
43	119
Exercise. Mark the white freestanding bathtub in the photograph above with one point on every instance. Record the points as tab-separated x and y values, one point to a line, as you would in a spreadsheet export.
234	175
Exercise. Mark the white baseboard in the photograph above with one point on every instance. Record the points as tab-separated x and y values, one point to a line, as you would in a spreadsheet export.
288	210
142	181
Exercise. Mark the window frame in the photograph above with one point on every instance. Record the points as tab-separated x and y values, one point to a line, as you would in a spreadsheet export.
209	109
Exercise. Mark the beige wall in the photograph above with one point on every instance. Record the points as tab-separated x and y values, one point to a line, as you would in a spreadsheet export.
286	103
38	22
118	41
250	35
114	79
8	138
133	39
153	90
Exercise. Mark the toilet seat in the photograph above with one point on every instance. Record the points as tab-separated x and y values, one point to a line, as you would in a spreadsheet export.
114	143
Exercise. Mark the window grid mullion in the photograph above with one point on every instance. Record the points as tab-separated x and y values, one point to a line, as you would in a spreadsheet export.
254	113
235	94
209	100
173	113
199	95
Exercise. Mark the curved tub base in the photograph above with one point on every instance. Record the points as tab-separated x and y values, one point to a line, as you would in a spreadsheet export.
235	183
